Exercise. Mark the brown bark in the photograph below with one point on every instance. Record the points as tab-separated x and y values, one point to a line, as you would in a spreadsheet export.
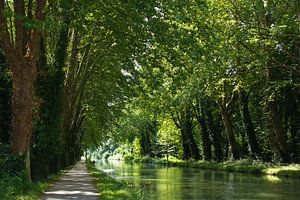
22	61
22	104
224	105
230	132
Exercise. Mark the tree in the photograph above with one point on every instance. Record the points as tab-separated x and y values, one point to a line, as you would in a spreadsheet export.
20	45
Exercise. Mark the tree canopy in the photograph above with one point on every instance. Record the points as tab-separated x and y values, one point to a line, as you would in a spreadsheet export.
210	79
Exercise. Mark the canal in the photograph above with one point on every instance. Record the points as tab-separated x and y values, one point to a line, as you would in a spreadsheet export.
179	183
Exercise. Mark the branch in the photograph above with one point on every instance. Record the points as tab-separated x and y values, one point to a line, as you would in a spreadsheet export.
5	43
249	91
93	42
32	44
231	100
19	14
26	32
197	110
176	121
248	48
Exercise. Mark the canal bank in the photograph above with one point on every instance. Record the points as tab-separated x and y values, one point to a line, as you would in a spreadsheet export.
187	183
239	166
111	188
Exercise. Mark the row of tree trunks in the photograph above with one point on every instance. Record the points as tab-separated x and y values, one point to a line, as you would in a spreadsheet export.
188	128
216	136
76	79
224	105
187	154
253	146
233	151
204	134
145	139
205	139
178	121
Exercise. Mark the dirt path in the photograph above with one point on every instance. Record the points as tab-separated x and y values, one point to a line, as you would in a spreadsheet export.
75	184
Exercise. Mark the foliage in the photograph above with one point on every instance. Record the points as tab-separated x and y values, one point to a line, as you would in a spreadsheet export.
204	80
229	70
9	165
17	187
137	152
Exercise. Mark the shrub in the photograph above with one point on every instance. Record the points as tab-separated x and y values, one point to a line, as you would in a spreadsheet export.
9	165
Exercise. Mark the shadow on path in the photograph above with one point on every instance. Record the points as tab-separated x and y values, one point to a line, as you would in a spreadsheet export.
76	184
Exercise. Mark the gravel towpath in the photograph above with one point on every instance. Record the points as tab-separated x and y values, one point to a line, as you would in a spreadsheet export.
76	184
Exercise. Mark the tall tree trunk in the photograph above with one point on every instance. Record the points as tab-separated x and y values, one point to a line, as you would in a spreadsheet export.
293	109
68	106
189	133
22	104
277	130
205	139
296	119
204	134
185	144
277	134
296	130
22	61
179	122
216	136
233	151
224	105
248	124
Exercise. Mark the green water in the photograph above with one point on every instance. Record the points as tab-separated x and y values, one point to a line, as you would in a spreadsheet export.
172	183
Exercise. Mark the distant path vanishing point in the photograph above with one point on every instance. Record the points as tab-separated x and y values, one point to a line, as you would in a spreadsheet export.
75	184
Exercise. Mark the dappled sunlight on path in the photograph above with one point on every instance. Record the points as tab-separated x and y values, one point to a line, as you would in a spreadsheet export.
75	184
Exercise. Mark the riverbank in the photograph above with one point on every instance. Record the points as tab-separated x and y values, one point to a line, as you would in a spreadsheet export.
239	166
110	188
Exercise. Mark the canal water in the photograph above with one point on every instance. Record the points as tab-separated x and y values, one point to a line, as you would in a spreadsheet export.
179	183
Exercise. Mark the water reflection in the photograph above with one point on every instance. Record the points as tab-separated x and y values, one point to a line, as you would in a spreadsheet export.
175	183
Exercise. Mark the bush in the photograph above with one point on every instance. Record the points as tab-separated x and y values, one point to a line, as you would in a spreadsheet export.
9	165
128	158
12	186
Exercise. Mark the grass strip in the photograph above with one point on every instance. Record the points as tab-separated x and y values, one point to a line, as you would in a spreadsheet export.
19	188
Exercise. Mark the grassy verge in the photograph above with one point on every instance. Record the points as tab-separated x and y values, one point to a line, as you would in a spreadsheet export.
18	188
110	188
240	166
